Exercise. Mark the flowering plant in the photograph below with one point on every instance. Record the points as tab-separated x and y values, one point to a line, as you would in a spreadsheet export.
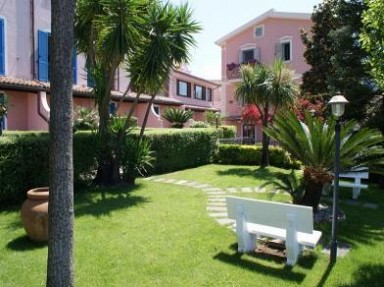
232	66
3	105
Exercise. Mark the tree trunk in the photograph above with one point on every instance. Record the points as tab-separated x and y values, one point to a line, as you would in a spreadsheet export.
314	179
146	118
60	270
265	147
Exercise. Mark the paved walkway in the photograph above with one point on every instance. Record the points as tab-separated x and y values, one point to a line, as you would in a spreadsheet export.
216	206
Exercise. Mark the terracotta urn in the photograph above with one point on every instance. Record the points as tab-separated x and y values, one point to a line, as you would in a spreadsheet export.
34	214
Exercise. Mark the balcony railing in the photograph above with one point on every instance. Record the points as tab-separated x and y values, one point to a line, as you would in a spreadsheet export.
233	69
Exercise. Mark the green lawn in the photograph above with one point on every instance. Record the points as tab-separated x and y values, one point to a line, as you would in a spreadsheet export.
160	234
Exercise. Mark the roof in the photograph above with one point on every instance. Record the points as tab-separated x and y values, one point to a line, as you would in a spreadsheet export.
10	83
269	14
201	108
211	82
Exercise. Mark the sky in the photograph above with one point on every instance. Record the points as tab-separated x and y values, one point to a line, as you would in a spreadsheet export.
220	17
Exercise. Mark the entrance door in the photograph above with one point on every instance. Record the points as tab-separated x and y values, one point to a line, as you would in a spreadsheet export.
248	134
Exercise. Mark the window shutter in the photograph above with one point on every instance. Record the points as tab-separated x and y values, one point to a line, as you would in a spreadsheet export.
241	58
2	48
74	66
90	79
257	54
112	108
203	94
278	50
42	60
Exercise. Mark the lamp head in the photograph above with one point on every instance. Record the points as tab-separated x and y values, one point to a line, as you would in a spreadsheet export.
338	103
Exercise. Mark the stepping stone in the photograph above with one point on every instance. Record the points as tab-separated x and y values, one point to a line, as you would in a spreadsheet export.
160	179
215	193
352	202
216	199
170	181
149	178
192	183
232	189
371	205
181	182
342	249
259	190
218	214
203	186
225	221
217	204
246	189
213	189
217	208
217	196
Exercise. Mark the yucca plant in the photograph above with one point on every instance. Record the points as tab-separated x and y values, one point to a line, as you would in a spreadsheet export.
313	143
290	183
85	119
177	117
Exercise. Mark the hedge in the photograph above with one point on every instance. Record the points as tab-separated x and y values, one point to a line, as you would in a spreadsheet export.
251	155
24	157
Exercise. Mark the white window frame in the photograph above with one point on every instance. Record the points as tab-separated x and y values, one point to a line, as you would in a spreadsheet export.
285	40
247	47
154	111
262	31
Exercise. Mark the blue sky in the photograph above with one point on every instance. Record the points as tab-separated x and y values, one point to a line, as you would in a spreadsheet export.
220	17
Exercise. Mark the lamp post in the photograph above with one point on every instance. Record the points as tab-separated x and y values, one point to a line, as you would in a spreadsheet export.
337	103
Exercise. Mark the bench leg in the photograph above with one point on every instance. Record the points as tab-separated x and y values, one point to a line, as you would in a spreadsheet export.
291	244
246	241
355	192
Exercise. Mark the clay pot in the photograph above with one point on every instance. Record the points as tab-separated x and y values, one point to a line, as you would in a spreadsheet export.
34	214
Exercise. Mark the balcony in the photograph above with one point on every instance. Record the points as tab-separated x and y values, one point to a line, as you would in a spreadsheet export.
233	69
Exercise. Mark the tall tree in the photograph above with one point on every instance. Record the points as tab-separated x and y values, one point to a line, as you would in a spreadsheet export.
268	88
336	56
372	38
106	32
60	235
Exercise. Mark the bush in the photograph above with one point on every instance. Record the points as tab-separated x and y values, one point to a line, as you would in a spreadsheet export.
251	155
227	132
198	124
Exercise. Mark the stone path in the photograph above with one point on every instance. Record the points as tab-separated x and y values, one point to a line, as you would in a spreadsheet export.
216	206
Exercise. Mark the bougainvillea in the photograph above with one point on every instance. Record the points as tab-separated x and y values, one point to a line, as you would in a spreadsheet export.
309	104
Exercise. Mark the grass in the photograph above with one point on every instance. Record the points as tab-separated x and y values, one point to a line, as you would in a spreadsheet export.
159	234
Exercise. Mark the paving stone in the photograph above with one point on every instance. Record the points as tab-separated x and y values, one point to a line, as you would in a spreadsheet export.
203	186
213	189
210	193
217	203
217	208
232	189
192	183
371	205
149	178
260	189
352	202
218	214
342	249
181	182
246	189
170	181
225	221
160	179
216	199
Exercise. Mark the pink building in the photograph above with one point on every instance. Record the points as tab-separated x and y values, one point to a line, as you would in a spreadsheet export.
268	36
24	74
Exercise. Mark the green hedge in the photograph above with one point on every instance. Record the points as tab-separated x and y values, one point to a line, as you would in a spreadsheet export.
24	157
251	155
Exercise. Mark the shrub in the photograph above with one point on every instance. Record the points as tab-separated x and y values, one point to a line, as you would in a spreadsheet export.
177	117
84	119
251	155
227	132
198	124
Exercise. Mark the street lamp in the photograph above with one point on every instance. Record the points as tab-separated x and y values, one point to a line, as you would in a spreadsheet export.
337	103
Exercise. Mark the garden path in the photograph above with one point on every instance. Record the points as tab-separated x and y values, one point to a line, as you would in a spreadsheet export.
216	206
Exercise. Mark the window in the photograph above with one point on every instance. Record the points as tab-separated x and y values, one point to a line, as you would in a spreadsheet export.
183	89
90	79
249	55
199	92
248	133
44	57
209	95
259	31
156	109
112	108
284	49
2	47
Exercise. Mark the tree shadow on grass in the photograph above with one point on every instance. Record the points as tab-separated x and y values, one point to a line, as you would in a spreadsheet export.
285	273
368	275
110	199
23	243
257	173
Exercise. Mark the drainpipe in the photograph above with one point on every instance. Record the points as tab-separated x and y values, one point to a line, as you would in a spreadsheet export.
32	7
42	105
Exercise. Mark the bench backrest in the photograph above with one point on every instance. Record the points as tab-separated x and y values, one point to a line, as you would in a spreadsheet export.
270	213
364	175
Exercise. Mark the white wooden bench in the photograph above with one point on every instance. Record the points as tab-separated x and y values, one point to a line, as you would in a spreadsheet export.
254	218
357	175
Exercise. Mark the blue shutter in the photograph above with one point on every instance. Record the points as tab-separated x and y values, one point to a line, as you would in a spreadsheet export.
43	62
74	66
112	108
2	48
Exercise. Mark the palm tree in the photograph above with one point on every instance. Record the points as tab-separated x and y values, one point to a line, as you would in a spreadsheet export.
169	33
106	31
60	270
312	142
268	88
